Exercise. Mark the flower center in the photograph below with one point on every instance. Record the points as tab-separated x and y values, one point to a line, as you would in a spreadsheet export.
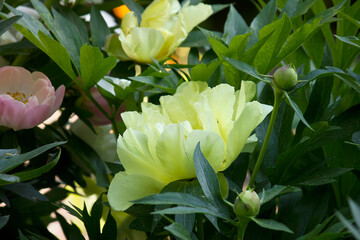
18	96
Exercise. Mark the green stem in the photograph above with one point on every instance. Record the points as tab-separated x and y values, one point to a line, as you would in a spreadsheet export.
200	226
242	224
278	95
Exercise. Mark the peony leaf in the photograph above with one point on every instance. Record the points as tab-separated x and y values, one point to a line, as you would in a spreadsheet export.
272	224
178	230
93	66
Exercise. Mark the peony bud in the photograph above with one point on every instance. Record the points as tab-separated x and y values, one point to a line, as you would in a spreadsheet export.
247	204
285	77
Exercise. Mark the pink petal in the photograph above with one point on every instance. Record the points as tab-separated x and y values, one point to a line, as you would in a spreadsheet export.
39	84
43	93
11	112
14	79
59	94
35	115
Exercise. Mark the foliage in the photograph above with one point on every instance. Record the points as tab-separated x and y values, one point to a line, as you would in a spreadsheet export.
304	163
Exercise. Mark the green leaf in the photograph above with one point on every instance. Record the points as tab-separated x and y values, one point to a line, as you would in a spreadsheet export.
244	67
206	177
166	86
7	179
348	224
4	220
265	17
29	26
218	7
234	25
98	27
352	40
195	204
203	72
294	8
293	105
189	210
178	230
353	83
195	39
275	191
27	175
320	176
109	231
184	186
271	224
7	23
92	221
174	198
25	190
266	58
93	66
65	32
187	220
355	211
90	159
11	162
57	53
317	230
297	38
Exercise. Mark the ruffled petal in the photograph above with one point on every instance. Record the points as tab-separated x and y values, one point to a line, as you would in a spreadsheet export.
188	18
221	100
134	154
59	96
129	187
245	94
133	120
11	112
156	14
170	150
142	44
211	145
129	22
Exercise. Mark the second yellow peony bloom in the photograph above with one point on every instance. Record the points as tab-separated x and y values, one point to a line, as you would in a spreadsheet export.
158	146
164	26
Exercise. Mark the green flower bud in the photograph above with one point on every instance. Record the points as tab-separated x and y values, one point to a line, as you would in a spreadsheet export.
247	204
285	77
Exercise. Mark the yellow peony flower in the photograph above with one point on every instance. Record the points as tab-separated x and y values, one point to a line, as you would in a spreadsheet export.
164	26
158	146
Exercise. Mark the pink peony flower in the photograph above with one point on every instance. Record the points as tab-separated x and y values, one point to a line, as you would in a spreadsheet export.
26	99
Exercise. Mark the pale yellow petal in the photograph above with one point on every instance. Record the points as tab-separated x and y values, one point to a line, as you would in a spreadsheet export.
170	150
134	154
156	14
129	187
188	18
245	94
129	22
142	44
250	117
221	100
132	119
152	114
211	145
180	107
